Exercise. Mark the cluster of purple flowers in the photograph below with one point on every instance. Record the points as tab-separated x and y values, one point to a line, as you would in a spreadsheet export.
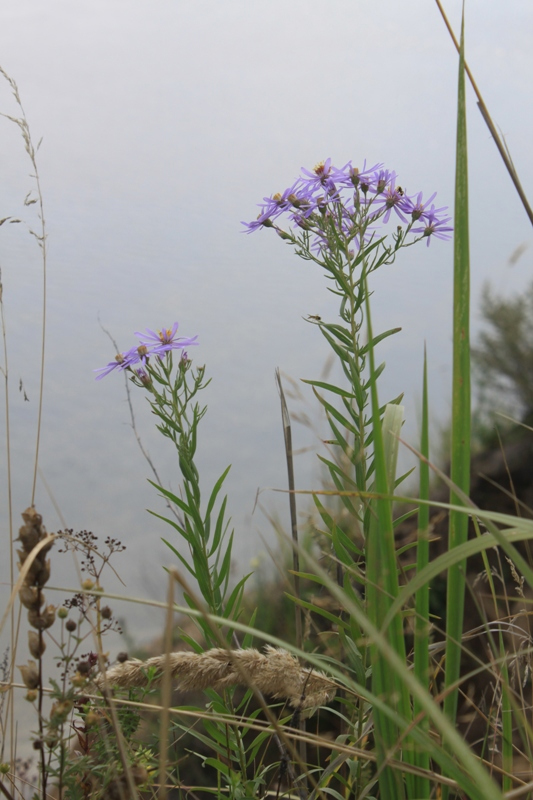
152	343
342	195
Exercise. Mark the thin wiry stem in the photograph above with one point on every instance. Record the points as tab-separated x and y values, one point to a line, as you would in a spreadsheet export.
5	372
501	145
287	436
24	128
166	694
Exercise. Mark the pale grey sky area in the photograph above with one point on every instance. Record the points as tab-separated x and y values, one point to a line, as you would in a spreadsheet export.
163	125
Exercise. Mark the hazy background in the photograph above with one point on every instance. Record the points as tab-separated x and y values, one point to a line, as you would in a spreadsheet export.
163	125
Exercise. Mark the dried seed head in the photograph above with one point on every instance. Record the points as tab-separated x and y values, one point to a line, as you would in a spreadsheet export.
30	516
43	620
106	612
31	596
60	711
43	575
36	644
122	657
30	674
70	625
29	536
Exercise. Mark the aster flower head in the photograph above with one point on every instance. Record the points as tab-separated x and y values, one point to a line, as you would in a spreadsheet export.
320	177
435	227
272	207
353	177
152	343
391	199
416	207
163	341
381	180
119	363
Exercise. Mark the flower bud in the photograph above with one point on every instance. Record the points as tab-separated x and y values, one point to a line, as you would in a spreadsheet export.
60	711
78	681
32	695
36	644
4	768
62	612
87	584
30	674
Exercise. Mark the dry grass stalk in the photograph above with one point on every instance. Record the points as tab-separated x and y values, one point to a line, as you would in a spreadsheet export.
275	672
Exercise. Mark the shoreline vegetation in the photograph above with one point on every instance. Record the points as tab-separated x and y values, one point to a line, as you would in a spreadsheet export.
362	672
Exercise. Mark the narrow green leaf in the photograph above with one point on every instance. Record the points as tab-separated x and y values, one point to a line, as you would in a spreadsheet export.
377	339
216	489
460	447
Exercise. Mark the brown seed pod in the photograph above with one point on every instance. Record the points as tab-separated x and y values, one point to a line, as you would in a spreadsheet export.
43	620
36	644
31	596
29	536
43	575
30	674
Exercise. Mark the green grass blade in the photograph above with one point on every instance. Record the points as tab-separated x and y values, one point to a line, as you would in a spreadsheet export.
421	641
460	449
382	587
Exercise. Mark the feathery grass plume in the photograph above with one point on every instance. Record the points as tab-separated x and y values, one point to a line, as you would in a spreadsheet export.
275	672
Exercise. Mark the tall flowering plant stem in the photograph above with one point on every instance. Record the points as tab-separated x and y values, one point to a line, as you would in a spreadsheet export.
460	445
338	220
172	387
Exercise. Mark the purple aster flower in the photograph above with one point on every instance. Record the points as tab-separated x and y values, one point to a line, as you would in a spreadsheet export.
262	221
352	177
320	178
417	208
119	363
273	207
123	361
380	180
392	198
163	341
435	227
